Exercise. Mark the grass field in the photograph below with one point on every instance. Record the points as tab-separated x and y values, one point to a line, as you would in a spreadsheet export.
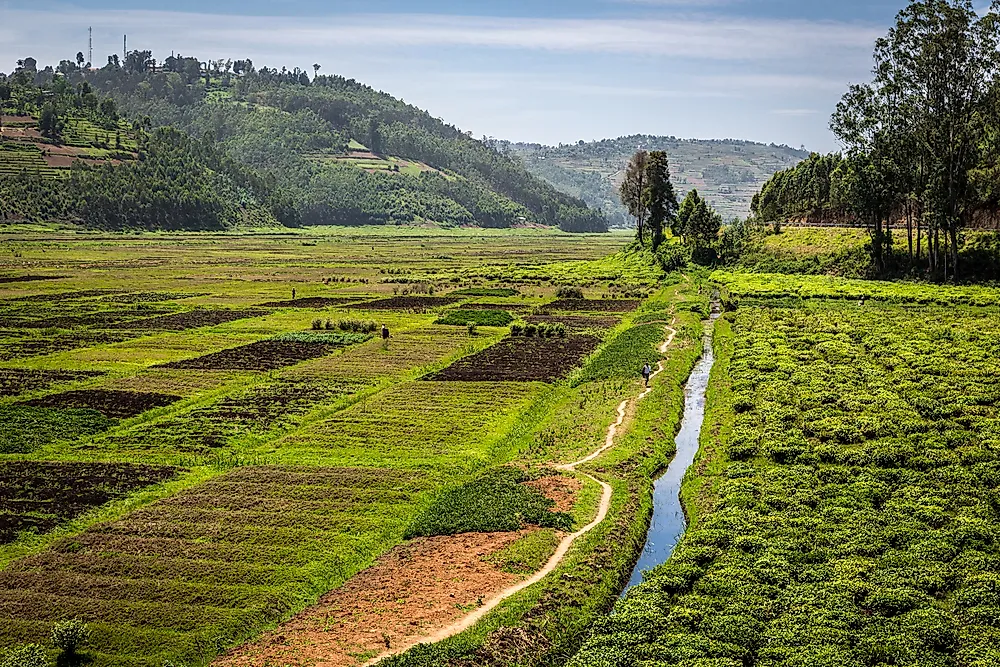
188	460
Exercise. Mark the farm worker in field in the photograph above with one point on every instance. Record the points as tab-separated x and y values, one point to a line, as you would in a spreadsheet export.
385	333
647	371
293	294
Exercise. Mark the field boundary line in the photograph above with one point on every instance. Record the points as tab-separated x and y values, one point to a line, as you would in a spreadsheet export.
474	617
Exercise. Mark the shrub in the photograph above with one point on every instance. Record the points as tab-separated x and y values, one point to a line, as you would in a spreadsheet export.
68	636
471	328
517	329
496	501
28	655
356	326
317	325
569	293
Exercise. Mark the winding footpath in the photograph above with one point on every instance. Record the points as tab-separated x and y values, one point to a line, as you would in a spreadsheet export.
602	512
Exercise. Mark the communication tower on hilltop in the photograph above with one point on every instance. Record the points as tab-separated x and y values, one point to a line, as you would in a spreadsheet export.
90	46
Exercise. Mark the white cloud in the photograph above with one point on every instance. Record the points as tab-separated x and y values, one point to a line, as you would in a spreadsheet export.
698	38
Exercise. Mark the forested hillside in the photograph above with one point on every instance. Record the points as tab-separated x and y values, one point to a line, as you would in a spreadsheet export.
726	172
344	153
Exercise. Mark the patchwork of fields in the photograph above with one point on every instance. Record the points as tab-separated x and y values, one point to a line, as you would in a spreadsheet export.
195	443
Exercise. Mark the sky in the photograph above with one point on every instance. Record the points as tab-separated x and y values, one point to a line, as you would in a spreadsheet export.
546	71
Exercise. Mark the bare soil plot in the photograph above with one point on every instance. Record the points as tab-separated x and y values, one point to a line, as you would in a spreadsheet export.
194	319
40	495
27	279
114	319
111	404
15	381
417	587
417	303
522	360
513	307
575	323
592	305
315	302
264	355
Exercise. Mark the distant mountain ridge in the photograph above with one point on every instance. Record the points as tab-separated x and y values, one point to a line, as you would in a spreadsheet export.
727	172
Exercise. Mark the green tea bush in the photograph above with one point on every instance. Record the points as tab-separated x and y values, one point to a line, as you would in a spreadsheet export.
854	514
543	330
483	318
355	326
28	655
323	338
69	636
496	501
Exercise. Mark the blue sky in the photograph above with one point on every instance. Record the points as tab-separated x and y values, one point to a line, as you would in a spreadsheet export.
546	71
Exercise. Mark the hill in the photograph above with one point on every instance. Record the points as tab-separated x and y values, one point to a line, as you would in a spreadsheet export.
344	153
727	172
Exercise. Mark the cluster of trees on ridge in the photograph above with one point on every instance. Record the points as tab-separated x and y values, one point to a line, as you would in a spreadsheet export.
171	181
922	142
292	128
649	196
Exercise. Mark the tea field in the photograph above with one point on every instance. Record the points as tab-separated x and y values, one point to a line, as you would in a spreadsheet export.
200	435
844	503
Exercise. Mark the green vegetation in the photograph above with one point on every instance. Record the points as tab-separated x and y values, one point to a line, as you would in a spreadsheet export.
483	318
844	496
486	291
24	428
625	354
528	554
927	170
495	501
301	136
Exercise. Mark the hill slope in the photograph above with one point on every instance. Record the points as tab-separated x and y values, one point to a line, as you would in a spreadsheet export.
344	153
727	172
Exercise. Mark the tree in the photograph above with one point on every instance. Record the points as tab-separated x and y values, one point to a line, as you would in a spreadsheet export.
915	133
659	197
631	191
79	59
698	225
50	121
316	67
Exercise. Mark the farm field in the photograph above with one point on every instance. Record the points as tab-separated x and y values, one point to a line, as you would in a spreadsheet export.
201	435
843	505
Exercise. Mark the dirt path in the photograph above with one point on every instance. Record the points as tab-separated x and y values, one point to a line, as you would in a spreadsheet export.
424	590
471	619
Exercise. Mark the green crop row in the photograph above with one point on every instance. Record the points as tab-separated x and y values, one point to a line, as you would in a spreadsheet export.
846	513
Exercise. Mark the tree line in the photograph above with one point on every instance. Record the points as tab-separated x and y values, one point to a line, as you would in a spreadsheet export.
649	196
921	142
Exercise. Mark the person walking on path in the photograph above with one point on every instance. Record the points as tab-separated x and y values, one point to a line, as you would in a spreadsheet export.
647	371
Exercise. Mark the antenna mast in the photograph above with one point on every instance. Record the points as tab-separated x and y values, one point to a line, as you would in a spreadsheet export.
124	48
90	46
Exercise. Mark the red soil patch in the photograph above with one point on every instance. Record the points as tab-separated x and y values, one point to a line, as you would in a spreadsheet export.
560	489
21	132
61	161
410	592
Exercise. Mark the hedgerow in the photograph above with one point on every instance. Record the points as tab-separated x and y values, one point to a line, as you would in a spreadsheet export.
625	355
